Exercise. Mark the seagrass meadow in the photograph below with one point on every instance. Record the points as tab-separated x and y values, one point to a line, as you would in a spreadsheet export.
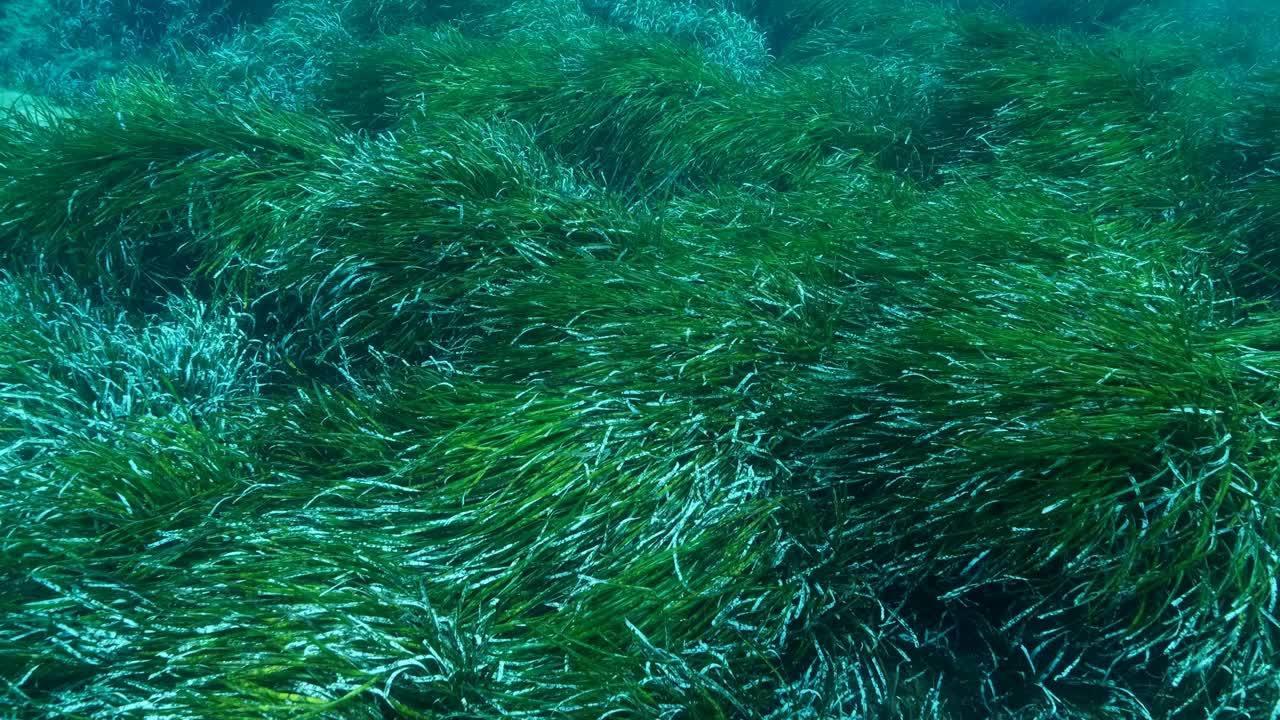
630	359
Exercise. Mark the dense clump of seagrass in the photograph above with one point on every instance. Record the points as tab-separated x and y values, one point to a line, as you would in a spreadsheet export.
648	359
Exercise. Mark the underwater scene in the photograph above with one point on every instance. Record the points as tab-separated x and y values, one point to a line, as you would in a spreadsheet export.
639	359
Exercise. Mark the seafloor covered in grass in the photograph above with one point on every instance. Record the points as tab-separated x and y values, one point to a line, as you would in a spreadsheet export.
684	359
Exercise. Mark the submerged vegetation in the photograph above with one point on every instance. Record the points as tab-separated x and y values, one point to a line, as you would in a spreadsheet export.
640	359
